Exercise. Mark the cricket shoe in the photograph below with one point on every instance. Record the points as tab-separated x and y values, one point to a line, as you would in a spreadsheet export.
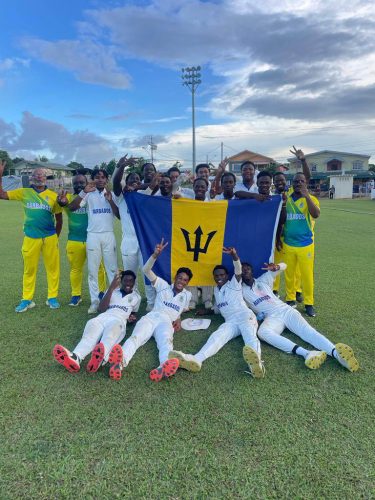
24	305
97	357
93	309
115	359
186	361
75	300
66	358
345	356
165	370
53	303
254	362
315	359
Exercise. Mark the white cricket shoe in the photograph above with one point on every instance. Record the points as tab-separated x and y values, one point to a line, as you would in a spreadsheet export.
315	359
254	362
93	309
345	356
186	361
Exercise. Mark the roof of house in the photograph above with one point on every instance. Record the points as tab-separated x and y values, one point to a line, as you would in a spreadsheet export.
41	164
330	152
250	155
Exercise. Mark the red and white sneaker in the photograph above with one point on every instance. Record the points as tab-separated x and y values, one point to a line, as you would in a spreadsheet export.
66	358
115	359
166	370
97	357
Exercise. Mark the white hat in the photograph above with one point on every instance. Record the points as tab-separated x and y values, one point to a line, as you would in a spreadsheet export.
195	324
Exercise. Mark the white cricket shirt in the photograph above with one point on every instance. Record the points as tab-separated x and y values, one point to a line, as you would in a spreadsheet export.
230	302
260	296
167	303
121	306
129	244
99	212
240	186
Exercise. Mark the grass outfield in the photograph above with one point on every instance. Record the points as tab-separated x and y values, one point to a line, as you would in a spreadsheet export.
219	433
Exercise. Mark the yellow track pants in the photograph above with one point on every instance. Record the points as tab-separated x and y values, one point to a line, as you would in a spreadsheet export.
279	257
31	249
76	253
302	258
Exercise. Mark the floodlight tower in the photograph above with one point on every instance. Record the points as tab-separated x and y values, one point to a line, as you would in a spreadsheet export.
191	78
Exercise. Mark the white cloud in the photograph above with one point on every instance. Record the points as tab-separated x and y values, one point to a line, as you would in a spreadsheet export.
89	61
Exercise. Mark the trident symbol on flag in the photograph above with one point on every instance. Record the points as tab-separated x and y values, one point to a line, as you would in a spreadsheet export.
196	249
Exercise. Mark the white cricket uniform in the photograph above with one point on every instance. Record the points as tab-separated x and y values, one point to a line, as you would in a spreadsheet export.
221	197
279	316
158	323
101	240
240	186
189	193
130	251
238	321
109	327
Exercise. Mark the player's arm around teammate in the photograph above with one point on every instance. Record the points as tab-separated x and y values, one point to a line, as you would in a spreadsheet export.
171	301
117	308
278	316
238	321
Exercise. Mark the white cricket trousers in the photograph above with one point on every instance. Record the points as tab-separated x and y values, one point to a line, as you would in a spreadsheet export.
133	263
153	324
273	326
100	245
105	328
207	292
247	327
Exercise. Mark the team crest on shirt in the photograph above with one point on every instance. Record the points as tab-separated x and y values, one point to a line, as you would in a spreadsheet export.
301	205
181	299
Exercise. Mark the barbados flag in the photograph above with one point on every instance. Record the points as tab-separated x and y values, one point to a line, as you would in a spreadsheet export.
196	232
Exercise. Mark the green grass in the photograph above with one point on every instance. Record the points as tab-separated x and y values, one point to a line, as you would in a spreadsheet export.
218	434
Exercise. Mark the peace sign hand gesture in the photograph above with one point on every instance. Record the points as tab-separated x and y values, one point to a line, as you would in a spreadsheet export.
298	153
159	248
62	199
231	251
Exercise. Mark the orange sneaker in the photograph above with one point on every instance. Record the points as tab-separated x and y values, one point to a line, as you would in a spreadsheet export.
166	370
97	357
115	360
66	358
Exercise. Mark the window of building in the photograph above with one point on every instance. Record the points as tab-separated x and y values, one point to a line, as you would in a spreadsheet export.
357	165
313	167
236	167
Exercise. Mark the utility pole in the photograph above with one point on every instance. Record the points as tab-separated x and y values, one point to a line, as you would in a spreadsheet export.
191	79
153	147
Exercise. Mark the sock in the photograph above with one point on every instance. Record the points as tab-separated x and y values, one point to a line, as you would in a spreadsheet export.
334	353
300	351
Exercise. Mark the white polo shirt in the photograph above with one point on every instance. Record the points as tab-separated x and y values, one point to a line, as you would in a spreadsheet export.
167	303
99	212
121	306
260	296
129	244
230	302
240	186
221	197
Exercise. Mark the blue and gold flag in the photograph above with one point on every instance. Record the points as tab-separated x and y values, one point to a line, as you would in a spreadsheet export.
197	231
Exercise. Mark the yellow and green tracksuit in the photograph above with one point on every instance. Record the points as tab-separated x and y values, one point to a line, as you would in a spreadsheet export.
298	248
40	237
76	249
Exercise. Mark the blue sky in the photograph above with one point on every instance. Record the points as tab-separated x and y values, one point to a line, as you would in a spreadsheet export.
91	80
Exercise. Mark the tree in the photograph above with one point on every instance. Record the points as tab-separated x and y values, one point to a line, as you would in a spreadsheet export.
42	158
76	165
5	157
371	167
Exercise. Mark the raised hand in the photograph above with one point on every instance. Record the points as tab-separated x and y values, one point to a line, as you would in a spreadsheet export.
298	153
222	165
231	251
304	190
270	267
62	199
155	181
160	247
125	161
108	195
90	187
116	282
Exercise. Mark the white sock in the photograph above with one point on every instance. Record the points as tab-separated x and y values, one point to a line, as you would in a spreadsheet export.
300	351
